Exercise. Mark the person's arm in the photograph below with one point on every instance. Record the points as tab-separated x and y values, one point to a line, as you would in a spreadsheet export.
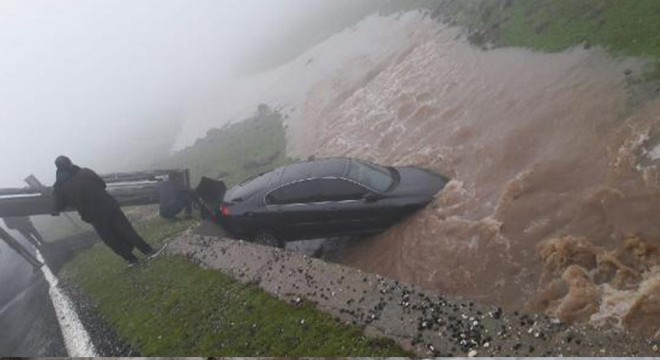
59	202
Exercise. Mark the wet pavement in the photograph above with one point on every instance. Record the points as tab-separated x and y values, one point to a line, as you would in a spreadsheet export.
30	326
101	335
420	320
29	322
27	318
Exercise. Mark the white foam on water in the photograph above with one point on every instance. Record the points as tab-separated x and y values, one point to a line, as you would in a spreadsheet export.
655	153
76	338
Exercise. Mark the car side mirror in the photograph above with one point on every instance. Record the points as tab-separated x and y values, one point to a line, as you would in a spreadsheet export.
371	197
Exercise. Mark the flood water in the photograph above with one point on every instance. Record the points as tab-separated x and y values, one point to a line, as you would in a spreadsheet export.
555	196
554	204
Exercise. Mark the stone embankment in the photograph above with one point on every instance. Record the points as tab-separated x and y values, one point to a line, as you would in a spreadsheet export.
424	322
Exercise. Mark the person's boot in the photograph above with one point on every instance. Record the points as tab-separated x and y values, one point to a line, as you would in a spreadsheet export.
132	261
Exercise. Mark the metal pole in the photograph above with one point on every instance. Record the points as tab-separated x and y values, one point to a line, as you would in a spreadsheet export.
20	250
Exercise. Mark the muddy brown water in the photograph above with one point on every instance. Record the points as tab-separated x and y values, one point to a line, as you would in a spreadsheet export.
554	204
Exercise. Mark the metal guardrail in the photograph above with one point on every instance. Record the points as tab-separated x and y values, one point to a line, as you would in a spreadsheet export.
128	188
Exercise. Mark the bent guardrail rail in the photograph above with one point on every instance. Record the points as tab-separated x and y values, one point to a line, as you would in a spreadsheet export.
128	188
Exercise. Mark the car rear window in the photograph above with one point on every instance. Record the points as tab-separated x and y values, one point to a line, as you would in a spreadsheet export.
249	187
370	175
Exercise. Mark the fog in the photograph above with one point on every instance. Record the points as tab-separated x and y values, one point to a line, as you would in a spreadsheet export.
109	82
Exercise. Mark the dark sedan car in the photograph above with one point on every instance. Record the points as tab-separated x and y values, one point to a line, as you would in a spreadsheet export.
325	198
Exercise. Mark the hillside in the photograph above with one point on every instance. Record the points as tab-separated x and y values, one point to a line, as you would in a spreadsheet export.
236	151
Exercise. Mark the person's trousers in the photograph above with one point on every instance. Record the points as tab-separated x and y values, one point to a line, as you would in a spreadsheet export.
117	232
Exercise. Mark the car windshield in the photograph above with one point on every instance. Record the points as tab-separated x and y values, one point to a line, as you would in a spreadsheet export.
372	176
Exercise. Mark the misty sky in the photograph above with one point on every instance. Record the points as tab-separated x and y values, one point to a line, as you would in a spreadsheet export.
108	82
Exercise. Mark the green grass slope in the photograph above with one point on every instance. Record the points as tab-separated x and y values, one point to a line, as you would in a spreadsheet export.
169	306
623	28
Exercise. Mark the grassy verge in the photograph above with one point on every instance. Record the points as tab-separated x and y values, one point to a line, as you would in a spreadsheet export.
169	306
237	151
623	28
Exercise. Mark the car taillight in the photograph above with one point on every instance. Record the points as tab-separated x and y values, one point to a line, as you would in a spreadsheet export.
224	210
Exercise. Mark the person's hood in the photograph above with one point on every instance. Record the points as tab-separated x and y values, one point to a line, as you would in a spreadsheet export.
64	175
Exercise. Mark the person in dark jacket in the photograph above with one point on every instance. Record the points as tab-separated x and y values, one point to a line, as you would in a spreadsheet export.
24	225
84	190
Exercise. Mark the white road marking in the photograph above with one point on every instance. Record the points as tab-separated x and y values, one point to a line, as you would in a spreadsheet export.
76	338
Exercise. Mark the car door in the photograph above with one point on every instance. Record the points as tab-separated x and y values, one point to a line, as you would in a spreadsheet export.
347	210
296	209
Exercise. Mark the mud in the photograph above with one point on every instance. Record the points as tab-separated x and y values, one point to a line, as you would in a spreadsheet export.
539	146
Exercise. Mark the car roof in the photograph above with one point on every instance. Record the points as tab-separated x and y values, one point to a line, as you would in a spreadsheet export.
333	167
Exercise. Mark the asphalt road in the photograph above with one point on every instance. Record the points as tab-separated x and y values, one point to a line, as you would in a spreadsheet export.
28	324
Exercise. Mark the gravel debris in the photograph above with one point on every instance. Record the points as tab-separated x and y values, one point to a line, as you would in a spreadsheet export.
421	321
105	339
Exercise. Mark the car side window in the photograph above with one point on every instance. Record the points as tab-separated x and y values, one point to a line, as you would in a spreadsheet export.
316	190
299	192
341	190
